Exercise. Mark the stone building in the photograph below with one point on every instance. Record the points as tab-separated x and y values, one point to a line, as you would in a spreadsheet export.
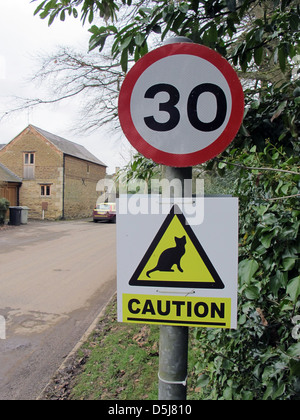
58	178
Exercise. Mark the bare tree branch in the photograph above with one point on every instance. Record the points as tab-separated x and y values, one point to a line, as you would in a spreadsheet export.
93	79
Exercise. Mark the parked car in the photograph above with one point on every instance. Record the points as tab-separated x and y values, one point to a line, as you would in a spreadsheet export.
105	211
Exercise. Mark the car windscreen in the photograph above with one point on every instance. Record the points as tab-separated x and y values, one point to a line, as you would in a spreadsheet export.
104	207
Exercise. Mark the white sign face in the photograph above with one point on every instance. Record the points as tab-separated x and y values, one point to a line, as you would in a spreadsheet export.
181	104
172	272
167	123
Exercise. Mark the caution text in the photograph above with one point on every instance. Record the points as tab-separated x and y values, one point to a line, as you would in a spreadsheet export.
182	310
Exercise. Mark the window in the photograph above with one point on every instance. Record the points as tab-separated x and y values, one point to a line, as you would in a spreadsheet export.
29	158
103	207
45	190
29	164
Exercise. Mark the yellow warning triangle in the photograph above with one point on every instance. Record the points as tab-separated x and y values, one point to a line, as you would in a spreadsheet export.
176	258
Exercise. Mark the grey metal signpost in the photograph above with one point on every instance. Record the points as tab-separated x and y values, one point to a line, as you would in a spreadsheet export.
180	105
173	346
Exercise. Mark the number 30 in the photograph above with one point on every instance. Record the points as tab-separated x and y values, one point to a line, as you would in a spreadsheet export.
170	107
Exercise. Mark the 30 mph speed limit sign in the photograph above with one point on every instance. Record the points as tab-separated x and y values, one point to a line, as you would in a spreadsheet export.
181	104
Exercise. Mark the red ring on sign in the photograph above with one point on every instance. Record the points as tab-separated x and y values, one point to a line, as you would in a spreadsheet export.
188	159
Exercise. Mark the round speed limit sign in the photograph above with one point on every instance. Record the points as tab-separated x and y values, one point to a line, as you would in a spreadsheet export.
181	104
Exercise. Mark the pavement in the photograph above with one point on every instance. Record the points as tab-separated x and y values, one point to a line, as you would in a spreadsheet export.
55	279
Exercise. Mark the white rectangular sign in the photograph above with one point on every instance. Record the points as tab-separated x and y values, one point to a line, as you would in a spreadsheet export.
178	266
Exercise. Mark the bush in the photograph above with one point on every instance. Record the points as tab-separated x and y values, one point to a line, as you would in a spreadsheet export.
4	205
261	359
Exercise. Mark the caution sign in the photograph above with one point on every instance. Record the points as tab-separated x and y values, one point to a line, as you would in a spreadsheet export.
174	271
181	310
176	258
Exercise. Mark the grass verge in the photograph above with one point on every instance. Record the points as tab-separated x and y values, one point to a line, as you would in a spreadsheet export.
117	362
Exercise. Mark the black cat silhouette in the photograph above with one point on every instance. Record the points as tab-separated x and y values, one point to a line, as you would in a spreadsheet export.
171	256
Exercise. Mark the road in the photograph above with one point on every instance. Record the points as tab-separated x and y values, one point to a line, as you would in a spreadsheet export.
55	278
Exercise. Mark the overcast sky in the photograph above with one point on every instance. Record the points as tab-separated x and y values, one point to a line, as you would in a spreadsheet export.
22	36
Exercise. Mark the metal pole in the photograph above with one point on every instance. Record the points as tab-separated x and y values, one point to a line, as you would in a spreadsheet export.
173	354
173	348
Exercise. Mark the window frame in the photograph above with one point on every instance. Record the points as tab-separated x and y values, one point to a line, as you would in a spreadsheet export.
46	188
28	165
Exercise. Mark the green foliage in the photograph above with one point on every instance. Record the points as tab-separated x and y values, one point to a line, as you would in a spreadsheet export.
90	9
273	113
261	359
139	168
4	205
214	23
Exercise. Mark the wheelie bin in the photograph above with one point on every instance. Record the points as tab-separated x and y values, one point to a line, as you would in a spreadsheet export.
15	215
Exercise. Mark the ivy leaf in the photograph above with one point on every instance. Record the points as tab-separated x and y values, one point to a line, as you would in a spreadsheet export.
295	367
293	289
203	381
279	391
252	293
247	269
277	281
269	219
266	238
294	350
288	263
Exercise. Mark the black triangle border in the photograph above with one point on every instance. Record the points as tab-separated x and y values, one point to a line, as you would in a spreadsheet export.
218	284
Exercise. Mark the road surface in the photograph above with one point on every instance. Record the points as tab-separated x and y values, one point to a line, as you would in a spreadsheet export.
55	277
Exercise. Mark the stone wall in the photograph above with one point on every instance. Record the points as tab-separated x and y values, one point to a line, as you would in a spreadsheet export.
81	178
